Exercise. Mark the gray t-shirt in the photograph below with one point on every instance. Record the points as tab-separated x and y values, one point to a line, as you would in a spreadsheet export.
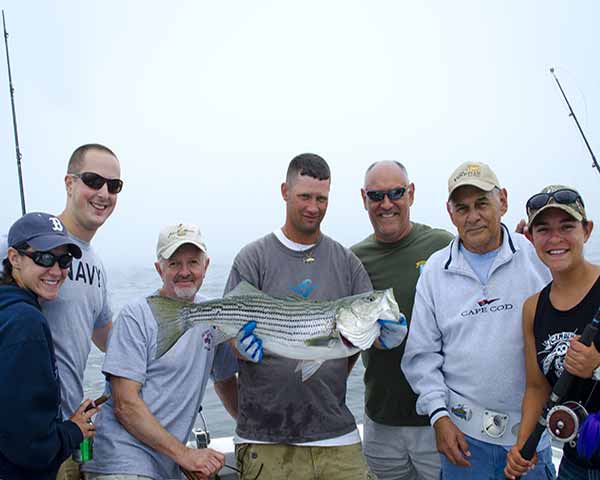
81	307
172	388
274	404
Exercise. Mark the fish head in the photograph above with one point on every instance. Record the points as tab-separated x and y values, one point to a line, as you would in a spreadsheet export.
357	316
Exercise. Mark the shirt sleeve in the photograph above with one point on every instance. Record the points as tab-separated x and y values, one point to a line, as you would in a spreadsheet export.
33	435
233	279
423	358
361	282
106	314
225	364
129	352
246	267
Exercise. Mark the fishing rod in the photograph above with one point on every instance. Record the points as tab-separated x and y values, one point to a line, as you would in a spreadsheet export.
560	390
572	114
14	118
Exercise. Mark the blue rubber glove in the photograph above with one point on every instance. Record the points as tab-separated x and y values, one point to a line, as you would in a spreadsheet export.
248	344
392	333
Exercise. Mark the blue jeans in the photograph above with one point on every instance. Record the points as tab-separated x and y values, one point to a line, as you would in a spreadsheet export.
488	461
570	471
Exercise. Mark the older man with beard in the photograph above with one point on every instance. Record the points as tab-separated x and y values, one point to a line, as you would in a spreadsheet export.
144	426
81	313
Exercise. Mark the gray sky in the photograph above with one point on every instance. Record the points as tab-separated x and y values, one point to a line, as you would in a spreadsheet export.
205	103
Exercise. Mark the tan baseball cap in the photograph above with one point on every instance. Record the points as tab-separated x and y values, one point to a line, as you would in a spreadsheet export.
172	237
562	197
475	174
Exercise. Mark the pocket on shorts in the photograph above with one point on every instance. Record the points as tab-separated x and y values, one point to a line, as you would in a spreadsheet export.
247	461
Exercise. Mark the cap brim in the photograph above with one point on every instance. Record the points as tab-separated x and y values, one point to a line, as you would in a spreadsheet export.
560	206
169	251
473	182
48	242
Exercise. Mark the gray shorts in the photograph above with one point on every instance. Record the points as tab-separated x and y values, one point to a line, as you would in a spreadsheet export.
401	453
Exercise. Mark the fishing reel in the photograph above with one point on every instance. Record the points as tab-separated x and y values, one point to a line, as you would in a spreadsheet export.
201	435
564	421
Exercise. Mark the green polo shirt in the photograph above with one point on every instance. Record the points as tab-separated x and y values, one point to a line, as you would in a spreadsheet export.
389	400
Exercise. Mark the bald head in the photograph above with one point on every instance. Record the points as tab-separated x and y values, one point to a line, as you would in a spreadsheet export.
385	165
387	196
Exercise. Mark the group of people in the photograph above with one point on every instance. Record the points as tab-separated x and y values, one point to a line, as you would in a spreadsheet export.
493	320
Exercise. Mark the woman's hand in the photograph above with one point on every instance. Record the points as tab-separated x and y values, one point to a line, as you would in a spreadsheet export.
516	465
83	418
581	360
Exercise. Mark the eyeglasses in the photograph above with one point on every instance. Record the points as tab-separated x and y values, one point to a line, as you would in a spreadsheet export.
96	182
564	196
48	259
393	194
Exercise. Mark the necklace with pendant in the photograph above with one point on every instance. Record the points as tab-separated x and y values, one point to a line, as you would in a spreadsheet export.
309	258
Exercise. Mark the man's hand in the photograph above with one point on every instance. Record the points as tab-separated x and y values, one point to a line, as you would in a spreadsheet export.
451	442
248	346
581	360
516	465
391	333
204	461
522	227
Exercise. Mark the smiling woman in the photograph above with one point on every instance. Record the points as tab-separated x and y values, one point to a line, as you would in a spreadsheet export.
34	441
553	319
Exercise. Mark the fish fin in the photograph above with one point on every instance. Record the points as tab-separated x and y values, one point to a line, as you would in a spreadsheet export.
308	368
171	323
243	289
323	341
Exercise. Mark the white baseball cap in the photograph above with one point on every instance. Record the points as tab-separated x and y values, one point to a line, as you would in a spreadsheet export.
172	237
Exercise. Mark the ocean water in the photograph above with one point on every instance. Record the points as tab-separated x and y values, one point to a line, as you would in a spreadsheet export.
128	284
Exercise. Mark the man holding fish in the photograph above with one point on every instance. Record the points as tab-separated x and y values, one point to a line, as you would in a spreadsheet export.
154	401
287	427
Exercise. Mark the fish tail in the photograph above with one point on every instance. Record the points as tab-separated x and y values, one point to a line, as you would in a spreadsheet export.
172	322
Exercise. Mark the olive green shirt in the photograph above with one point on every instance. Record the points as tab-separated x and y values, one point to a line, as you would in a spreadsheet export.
389	400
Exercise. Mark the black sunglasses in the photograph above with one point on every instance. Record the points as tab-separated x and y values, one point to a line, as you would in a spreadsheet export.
393	194
48	259
96	182
564	196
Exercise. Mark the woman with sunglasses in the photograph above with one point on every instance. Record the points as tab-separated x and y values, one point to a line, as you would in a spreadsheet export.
34	440
553	319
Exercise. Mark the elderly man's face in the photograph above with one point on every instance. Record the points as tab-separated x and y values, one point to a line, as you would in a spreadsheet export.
390	218
182	274
476	215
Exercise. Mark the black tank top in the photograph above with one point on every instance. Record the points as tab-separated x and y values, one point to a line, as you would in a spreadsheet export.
552	330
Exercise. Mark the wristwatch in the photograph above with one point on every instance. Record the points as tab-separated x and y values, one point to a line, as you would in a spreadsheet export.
596	374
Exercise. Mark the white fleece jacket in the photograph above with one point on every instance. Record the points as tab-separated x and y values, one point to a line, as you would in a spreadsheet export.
466	336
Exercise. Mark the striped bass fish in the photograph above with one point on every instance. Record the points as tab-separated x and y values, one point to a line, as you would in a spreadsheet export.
290	327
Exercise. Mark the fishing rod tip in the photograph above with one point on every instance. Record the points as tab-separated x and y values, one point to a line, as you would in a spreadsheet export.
551	69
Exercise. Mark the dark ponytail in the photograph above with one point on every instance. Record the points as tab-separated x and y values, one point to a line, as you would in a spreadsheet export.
6	277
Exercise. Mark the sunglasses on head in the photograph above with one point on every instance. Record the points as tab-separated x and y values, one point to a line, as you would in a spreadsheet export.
96	182
48	259
379	195
564	196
